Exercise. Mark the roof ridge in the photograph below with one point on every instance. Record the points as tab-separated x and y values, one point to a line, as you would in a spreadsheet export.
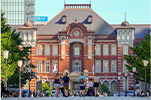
51	20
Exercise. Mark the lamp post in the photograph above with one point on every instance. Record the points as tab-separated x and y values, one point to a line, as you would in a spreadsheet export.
119	84
19	64
125	84
36	81
134	70
29	70
145	65
5	54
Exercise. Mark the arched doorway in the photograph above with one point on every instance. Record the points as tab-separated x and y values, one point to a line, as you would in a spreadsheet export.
113	87
39	83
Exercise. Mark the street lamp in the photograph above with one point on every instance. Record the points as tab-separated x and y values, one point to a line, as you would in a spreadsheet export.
29	70
5	54
119	84
126	84
145	65
20	65
36	81
134	70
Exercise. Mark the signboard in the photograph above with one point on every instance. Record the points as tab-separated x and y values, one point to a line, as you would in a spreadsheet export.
41	18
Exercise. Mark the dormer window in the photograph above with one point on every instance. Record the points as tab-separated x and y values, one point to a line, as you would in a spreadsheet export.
64	19
89	19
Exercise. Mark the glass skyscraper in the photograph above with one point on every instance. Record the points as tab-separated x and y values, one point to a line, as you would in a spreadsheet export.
16	11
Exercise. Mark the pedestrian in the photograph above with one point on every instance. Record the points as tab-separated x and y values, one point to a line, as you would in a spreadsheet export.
39	93
3	88
34	95
90	89
96	84
57	84
66	80
47	93
61	86
82	81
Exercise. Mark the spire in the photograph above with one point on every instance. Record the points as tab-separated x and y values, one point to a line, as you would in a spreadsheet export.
64	1
125	16
90	1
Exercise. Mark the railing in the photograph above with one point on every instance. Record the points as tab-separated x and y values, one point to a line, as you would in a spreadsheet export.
75	6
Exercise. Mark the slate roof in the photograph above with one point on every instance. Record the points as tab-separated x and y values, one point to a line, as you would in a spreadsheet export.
139	29
98	25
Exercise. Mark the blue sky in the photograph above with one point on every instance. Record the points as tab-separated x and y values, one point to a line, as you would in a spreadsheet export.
112	11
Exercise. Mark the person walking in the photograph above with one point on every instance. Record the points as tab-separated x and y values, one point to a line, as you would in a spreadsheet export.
3	88
82	81
96	84
57	84
90	90
47	93
61	86
66	80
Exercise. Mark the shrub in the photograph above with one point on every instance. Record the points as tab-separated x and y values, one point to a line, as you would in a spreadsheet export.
104	88
44	87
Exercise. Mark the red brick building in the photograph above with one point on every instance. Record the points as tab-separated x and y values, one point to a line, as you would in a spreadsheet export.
78	38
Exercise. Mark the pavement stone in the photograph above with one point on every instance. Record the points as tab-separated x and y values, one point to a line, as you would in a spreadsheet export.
81	98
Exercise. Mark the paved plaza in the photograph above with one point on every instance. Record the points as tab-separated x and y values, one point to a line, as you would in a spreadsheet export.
81	98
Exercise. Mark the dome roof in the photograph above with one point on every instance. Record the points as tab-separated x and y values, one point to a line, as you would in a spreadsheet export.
125	23
28	24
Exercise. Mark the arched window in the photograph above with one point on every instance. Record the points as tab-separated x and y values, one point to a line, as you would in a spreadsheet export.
106	83
114	87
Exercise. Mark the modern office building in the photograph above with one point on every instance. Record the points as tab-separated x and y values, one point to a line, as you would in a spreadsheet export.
16	11
77	39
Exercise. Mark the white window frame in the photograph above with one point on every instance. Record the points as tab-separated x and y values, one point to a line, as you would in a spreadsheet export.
97	64
124	67
47	46
104	67
76	51
113	67
38	69
125	50
55	50
113	50
46	66
97	49
105	49
39	49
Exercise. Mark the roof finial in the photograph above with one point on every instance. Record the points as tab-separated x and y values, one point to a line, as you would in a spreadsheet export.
125	16
64	1
90	1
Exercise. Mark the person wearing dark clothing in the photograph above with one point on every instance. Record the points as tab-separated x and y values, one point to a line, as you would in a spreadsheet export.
61	86
66	80
3	88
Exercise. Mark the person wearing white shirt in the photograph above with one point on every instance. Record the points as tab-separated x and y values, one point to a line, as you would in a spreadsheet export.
47	93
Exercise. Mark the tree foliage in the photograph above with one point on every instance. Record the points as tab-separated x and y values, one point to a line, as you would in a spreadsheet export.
10	40
104	88
140	52
45	87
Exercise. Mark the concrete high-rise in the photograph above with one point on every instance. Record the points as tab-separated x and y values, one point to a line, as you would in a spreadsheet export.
16	11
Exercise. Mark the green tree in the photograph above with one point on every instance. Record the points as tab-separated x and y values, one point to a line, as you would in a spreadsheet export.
104	88
45	87
10	40
140	52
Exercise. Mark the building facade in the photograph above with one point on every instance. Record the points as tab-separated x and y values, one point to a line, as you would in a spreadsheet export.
16	11
77	39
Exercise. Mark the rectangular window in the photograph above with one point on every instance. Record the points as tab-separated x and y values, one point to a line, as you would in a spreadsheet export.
55	62
39	49
105	66
124	67
125	50
105	49
113	50
47	49
39	66
98	66
47	66
98	49
55	49
113	66
76	51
